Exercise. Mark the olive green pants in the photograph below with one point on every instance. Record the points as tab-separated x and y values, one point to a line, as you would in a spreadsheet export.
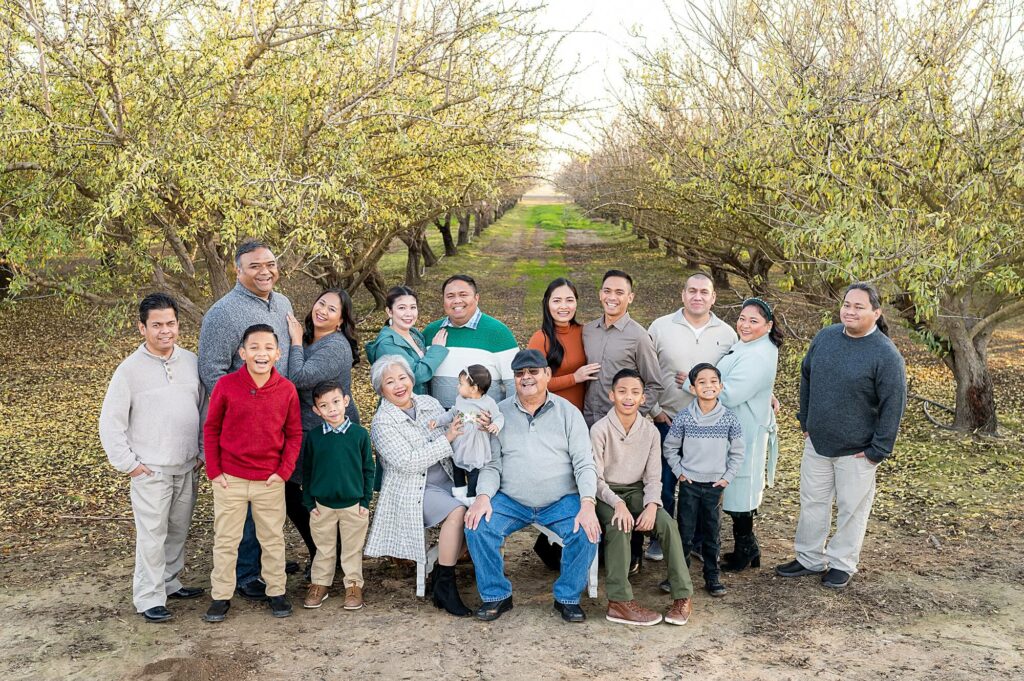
617	552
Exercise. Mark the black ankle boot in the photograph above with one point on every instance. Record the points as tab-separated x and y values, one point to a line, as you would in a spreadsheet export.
747	553
445	593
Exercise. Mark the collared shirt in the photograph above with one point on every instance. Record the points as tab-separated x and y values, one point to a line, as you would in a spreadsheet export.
873	329
471	324
341	428
623	345
540	457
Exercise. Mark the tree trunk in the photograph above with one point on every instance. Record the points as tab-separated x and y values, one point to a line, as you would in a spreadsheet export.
464	218
377	287
975	399
429	257
413	269
478	219
757	274
445	227
720	278
6	275
652	242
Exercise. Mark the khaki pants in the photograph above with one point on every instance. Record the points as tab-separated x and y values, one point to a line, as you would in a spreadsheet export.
850	482
325	529
162	505
268	512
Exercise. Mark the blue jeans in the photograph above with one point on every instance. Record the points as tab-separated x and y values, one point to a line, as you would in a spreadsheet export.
247	569
510	516
668	480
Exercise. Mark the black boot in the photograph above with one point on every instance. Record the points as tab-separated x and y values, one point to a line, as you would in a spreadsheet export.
736	540
747	553
445	592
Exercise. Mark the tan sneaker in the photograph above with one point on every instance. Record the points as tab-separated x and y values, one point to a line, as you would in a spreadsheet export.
679	613
315	596
353	597
631	612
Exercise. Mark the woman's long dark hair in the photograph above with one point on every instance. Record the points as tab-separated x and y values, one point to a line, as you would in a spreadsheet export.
348	324
556	353
874	298
775	334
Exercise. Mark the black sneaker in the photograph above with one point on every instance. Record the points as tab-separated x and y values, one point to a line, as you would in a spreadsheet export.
291	567
280	606
187	592
665	586
158	614
490	611
794	568
635	563
836	579
255	591
218	611
715	588
570	612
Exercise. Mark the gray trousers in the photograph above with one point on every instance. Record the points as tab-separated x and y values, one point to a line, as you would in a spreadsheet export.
162	504
850	482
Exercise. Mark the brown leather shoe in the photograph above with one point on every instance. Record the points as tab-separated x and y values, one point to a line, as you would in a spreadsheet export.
631	612
679	613
353	597
315	596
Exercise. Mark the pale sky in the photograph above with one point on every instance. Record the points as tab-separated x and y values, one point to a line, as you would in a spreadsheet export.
606	32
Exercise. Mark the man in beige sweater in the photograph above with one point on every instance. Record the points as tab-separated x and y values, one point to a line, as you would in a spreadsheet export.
150	430
627	453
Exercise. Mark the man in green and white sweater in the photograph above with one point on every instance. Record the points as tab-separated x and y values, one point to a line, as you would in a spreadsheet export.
473	338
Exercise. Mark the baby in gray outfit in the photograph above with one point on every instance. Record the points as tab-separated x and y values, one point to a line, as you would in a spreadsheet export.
471	450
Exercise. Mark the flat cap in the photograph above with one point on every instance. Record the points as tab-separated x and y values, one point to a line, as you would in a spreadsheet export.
529	359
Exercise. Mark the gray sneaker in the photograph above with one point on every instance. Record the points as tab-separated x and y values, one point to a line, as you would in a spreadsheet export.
836	579
654	551
795	568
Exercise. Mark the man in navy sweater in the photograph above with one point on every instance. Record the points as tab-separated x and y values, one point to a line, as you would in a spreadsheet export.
853	390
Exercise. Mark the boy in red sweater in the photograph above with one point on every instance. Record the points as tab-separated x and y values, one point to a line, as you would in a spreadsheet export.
252	437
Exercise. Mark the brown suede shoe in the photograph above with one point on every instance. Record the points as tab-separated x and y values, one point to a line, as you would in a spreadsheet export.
631	612
679	613
315	596
353	597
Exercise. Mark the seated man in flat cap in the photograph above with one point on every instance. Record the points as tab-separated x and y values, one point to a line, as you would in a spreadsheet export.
541	471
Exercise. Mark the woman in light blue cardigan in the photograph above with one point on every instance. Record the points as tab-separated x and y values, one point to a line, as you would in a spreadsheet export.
748	377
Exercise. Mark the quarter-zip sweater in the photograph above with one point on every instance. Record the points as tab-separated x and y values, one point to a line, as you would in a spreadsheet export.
679	348
252	432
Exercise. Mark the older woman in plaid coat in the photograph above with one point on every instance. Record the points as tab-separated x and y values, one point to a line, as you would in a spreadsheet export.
417	489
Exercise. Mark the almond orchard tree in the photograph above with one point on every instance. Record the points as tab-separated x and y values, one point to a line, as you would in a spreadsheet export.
878	141
141	141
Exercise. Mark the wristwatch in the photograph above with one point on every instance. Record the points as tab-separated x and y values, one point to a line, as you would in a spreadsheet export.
590	499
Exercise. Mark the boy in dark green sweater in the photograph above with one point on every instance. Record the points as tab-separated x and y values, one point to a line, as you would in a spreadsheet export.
337	484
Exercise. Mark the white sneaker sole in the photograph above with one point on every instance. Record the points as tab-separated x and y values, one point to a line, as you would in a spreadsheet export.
678	623
635	624
349	607
313	607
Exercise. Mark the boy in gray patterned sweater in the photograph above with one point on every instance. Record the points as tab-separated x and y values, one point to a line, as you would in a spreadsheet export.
704	449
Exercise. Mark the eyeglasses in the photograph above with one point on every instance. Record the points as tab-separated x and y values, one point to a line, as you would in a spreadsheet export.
519	373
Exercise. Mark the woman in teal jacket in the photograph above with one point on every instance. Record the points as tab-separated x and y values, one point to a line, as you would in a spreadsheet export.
401	337
748	377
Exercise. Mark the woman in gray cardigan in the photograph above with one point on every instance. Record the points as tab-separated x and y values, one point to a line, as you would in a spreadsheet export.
417	488
323	348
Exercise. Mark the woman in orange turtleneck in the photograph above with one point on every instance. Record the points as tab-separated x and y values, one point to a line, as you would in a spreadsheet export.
561	340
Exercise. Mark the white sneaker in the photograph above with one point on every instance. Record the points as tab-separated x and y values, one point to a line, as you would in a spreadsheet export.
654	551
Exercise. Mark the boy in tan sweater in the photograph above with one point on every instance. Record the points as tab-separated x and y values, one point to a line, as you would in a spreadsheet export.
627	452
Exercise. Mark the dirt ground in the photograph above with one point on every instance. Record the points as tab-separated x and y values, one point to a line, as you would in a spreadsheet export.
940	594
